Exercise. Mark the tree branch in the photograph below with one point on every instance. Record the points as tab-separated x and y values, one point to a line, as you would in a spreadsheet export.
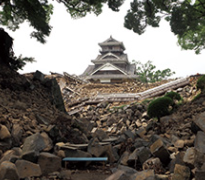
203	4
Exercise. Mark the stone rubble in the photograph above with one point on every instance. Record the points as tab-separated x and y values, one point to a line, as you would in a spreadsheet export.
36	133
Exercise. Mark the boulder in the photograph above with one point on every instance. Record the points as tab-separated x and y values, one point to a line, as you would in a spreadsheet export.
118	175
32	146
140	143
97	150
57	96
4	132
165	121
76	153
200	173
178	159
17	132
77	137
190	157
199	143
144	175
48	142
8	171
139	156
143	154
11	155
158	149
133	158
100	134
129	134
141	132
27	169
65	174
127	169
38	76
30	156
181	172
5	144
155	164
179	144
124	158
122	173
200	121
49	163
162	177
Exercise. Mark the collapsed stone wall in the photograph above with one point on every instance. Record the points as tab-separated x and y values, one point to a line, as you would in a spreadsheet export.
34	134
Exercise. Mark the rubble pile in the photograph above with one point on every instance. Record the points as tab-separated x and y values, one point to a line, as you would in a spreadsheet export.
75	91
36	133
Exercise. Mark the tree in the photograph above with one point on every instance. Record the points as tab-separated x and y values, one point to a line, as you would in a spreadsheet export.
38	12
186	18
7	56
147	74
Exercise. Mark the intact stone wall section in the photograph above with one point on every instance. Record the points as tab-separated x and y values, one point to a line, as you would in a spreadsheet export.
57	96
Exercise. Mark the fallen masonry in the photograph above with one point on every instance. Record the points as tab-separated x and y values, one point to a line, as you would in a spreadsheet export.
35	136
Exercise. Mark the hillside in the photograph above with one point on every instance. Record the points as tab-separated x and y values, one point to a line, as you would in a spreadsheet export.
36	133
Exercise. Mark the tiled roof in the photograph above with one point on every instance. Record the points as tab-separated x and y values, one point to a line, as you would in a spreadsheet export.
112	76
130	70
111	41
122	56
88	70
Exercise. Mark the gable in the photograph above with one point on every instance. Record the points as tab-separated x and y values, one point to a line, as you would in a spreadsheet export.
109	67
110	56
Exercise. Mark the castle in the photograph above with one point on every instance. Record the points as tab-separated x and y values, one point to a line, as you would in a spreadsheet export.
112	65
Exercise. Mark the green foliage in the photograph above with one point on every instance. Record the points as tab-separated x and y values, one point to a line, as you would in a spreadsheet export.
147	72
7	56
176	98
38	13
159	107
164	105
17	63
201	84
173	95
186	18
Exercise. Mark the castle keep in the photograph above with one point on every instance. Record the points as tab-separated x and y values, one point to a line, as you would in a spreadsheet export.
112	65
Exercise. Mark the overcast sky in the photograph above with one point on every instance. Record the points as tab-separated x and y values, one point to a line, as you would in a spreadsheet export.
72	44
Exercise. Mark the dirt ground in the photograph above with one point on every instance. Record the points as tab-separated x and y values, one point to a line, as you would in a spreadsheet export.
89	175
94	171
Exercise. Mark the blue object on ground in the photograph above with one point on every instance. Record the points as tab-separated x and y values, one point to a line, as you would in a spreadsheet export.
85	159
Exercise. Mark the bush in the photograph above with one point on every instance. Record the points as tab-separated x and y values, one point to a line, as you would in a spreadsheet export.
173	95
159	107
201	84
